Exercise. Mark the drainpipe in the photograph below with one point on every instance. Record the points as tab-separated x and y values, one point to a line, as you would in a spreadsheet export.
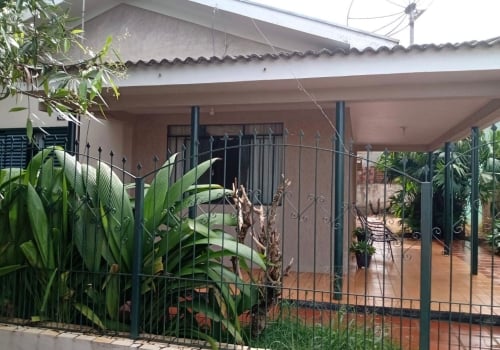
338	217
195	127
474	200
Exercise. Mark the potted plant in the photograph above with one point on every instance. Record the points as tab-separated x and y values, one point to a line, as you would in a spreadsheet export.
363	251
360	234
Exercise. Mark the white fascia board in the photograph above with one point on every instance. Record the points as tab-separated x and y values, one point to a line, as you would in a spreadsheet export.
335	32
352	65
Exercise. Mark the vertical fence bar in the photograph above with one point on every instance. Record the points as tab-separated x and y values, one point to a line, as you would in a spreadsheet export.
195	129
425	266
474	201
137	259
338	219
447	222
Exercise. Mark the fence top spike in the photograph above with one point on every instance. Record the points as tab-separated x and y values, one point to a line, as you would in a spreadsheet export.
124	159
111	154
426	171
139	166
368	147
494	127
226	136
318	135
99	149
87	145
285	132
155	158
301	133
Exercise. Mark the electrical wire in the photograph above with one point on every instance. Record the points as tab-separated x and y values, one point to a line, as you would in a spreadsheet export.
378	17
395	4
396	28
349	12
400	18
302	88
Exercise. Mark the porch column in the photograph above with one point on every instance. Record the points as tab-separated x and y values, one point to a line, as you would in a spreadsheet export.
338	216
474	201
195	127
448	210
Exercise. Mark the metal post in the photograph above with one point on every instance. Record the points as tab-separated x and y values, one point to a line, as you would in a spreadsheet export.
474	201
137	259
425	265
195	127
448	211
338	219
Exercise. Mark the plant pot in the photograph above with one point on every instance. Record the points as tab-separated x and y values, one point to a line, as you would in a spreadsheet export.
363	260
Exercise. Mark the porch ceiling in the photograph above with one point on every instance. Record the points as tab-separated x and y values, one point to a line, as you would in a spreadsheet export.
414	99
421	123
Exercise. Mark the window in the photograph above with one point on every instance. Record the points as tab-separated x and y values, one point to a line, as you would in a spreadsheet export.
253	153
16	151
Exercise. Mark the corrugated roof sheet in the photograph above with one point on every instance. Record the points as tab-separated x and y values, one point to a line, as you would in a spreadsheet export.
325	52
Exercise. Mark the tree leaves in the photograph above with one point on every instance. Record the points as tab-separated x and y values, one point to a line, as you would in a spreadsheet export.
41	52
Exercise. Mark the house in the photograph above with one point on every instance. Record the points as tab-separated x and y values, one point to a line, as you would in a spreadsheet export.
274	75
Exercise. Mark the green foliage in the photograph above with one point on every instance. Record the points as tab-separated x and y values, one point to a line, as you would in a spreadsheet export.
292	333
493	238
362	247
408	169
42	58
56	220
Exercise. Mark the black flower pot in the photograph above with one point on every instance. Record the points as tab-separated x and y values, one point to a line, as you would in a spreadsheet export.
363	260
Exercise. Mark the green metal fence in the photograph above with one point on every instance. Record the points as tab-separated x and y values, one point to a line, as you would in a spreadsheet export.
171	252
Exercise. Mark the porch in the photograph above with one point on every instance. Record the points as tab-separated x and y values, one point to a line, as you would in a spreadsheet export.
464	309
396	284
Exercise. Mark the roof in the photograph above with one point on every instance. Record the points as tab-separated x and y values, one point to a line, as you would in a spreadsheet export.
321	53
245	19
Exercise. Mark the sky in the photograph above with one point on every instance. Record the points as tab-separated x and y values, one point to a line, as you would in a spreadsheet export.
442	21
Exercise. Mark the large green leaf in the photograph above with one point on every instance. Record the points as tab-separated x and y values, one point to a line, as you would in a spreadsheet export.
202	197
156	195
31	253
178	189
236	248
88	237
73	171
5	270
116	214
90	315
39	225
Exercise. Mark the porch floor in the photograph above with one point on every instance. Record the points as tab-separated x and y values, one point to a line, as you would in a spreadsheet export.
397	284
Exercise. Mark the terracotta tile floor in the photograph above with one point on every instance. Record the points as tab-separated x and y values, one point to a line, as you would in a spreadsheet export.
396	285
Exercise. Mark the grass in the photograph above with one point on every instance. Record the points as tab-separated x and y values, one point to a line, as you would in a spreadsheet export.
292	333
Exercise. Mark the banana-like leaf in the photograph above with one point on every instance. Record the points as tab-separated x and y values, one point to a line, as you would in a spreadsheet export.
116	215
201	198
88	237
178	189
235	248
47	291
39	225
5	270
9	175
72	170
36	162
222	219
156	195
208	311
112	289
30	252
90	315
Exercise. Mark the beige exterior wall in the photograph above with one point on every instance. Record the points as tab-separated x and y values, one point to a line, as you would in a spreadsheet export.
308	208
141	34
18	119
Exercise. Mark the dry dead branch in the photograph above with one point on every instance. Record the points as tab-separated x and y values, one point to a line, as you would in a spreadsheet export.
268	244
